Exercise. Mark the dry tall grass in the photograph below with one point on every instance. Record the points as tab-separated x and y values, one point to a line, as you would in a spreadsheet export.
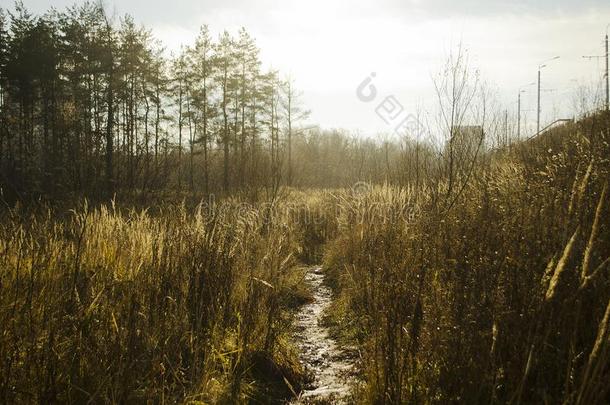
110	305
500	295
500	298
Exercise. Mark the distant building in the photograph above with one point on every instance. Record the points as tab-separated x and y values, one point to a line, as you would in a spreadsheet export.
465	141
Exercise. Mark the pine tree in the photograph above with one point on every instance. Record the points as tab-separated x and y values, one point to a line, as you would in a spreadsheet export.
224	62
203	69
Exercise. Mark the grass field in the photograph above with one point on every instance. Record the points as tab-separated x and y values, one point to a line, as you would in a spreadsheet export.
499	296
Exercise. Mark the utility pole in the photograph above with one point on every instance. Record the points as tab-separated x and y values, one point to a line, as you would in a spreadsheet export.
538	109
521	90
519	115
506	128
605	56
289	183
542	65
607	79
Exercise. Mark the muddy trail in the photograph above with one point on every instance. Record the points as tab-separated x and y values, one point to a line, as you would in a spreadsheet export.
331	368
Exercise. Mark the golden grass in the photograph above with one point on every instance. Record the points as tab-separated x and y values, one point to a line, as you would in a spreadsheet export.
112	305
509	267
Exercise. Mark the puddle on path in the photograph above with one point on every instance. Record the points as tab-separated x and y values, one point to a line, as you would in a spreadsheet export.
330	366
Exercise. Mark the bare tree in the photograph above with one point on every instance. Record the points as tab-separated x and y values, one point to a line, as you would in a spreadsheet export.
456	86
294	111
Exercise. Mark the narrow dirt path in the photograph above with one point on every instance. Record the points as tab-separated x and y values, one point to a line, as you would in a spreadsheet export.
330	366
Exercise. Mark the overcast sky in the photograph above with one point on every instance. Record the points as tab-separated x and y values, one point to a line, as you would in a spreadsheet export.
330	46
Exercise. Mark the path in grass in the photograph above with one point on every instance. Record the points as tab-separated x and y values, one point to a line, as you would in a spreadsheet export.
330	367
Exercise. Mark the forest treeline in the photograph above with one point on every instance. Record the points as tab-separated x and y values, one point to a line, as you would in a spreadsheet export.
92	105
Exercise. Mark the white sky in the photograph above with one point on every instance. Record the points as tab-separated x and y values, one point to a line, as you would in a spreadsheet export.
330	46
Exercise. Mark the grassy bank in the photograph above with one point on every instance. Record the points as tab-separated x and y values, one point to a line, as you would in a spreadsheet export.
501	295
